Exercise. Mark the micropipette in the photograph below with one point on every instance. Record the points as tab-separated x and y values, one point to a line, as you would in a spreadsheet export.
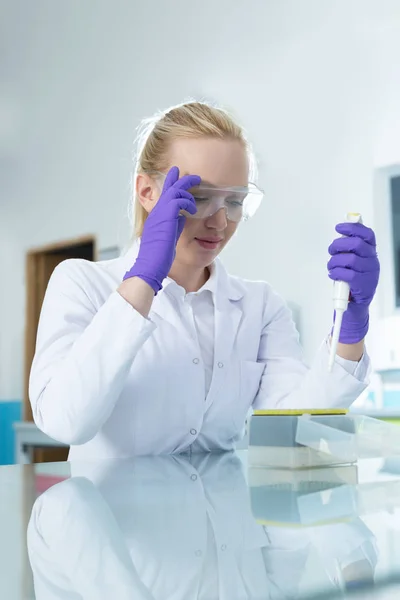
341	294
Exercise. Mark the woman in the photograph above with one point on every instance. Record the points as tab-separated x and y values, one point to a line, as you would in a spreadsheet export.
162	351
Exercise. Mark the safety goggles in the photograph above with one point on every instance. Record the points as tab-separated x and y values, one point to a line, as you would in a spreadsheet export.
240	203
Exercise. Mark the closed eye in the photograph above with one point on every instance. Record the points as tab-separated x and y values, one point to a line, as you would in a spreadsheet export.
233	202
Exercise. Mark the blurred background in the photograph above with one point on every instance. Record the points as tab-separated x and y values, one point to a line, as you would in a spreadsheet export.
316	84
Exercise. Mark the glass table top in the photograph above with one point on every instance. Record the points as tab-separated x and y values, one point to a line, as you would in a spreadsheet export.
201	527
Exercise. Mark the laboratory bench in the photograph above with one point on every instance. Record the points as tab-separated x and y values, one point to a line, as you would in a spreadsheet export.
205	526
30	441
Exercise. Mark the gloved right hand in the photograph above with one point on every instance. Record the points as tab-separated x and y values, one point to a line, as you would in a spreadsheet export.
355	260
163	228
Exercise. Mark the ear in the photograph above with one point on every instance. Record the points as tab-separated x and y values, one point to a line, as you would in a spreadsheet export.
147	191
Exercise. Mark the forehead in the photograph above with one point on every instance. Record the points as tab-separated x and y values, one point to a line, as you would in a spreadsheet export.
220	162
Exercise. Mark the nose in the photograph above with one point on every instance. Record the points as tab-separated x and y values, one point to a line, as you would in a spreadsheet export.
218	220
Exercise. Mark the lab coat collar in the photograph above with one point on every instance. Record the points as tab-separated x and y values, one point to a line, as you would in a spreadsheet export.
171	287
221	284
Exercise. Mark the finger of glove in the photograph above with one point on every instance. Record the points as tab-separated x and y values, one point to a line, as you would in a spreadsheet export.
348	275
355	245
187	181
181	225
171	178
362	285
181	200
357	230
352	261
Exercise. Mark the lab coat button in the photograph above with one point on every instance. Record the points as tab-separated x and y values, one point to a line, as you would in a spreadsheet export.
220	364
193	477
196	361
198	553
193	431
223	547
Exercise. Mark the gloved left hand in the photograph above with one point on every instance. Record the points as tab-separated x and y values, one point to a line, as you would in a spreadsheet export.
355	260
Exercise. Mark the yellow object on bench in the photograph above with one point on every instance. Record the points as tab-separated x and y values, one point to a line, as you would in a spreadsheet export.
302	411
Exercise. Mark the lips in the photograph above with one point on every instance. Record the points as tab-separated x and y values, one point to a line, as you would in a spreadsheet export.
210	240
208	243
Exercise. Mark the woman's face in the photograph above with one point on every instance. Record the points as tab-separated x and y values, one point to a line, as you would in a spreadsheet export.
220	163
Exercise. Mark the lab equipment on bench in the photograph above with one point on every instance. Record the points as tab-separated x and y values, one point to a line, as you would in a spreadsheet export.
297	439
341	296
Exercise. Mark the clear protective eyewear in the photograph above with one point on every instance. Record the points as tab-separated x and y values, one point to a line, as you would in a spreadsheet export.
240	203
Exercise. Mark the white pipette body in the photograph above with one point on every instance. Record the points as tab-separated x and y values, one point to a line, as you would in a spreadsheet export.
341	294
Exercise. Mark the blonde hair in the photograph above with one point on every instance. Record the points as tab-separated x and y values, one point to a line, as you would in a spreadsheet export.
189	120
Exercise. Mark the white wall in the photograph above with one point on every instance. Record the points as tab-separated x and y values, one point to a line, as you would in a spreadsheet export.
309	80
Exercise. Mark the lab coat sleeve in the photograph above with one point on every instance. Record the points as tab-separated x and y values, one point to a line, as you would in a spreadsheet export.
83	355
360	369
287	382
352	550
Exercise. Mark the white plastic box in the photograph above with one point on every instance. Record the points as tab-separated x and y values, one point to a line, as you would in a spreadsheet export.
293	441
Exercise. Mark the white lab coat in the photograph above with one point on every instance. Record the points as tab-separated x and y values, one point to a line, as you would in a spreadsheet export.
111	383
169	527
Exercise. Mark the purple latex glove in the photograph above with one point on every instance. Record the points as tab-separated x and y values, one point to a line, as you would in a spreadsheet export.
163	228
354	260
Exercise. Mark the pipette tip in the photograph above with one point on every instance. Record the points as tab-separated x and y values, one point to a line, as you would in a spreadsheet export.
335	338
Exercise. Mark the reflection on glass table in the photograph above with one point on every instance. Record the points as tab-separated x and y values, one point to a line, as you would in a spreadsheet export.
381	591
203	527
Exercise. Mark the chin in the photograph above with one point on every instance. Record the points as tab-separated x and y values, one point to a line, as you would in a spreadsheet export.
194	255
204	260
